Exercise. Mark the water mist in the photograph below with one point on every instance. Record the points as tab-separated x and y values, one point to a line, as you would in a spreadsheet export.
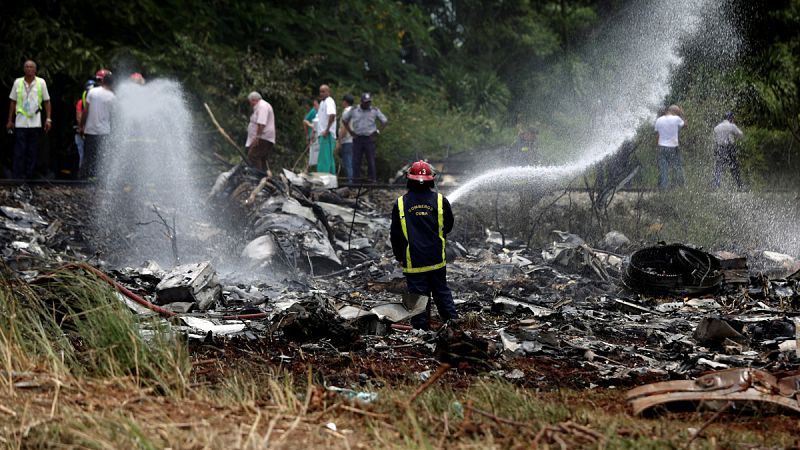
147	174
630	66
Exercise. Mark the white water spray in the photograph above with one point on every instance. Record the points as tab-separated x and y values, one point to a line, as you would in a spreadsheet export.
635	58
149	163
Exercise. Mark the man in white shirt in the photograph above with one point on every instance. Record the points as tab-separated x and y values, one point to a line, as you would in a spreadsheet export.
260	133
725	136
669	157
28	96
96	124
326	130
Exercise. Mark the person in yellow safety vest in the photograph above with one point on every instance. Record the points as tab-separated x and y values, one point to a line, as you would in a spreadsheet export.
524	152
28	96
421	220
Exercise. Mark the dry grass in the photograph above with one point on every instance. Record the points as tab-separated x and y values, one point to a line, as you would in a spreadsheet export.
111	389
114	413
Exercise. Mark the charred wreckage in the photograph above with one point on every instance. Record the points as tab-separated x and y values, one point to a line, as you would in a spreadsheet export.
685	325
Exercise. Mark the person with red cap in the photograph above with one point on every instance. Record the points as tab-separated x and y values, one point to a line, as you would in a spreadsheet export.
137	78
96	122
421	220
100	75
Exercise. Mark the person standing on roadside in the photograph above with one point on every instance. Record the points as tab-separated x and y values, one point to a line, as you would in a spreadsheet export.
137	78
725	136
344	145
524	152
96	123
326	129
669	158
310	123
308	120
79	106
27	98
260	133
362	123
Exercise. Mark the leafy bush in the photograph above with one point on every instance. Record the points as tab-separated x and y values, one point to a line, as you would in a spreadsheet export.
425	127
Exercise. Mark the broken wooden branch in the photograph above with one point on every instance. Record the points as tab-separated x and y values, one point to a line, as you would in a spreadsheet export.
226	135
436	375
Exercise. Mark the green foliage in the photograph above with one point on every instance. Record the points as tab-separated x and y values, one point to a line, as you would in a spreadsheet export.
479	69
424	127
276	78
770	158
779	89
761	85
480	93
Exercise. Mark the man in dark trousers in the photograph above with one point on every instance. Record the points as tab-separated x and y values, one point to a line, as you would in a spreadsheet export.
363	124
421	220
725	136
28	97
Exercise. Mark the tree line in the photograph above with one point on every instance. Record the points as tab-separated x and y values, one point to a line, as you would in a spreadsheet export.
451	75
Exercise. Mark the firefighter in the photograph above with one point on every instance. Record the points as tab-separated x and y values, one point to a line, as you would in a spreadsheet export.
421	220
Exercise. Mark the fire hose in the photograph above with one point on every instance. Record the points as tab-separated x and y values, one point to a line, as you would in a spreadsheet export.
141	301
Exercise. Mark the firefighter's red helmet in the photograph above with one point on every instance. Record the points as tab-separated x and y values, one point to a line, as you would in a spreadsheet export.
421	171
101	74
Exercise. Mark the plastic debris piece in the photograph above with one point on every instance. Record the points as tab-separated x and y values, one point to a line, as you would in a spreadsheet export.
349	394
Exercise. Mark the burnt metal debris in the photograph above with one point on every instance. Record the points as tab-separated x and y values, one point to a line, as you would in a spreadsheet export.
742	386
673	269
313	271
195	284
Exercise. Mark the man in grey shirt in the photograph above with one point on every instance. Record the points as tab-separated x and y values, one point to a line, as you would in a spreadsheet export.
362	124
725	136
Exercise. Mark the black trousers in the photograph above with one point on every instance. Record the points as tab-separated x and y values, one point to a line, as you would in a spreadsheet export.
93	147
364	146
26	144
433	283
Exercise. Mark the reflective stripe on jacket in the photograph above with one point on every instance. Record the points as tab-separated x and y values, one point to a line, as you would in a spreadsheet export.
420	223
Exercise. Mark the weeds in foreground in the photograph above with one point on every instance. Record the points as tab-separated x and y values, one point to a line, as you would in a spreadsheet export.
75	372
75	325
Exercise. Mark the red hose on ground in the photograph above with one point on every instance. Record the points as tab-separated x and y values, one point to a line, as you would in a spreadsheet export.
138	299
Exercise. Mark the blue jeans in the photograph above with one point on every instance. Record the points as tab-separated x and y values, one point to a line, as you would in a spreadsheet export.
669	160
347	160
79	146
433	283
26	144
